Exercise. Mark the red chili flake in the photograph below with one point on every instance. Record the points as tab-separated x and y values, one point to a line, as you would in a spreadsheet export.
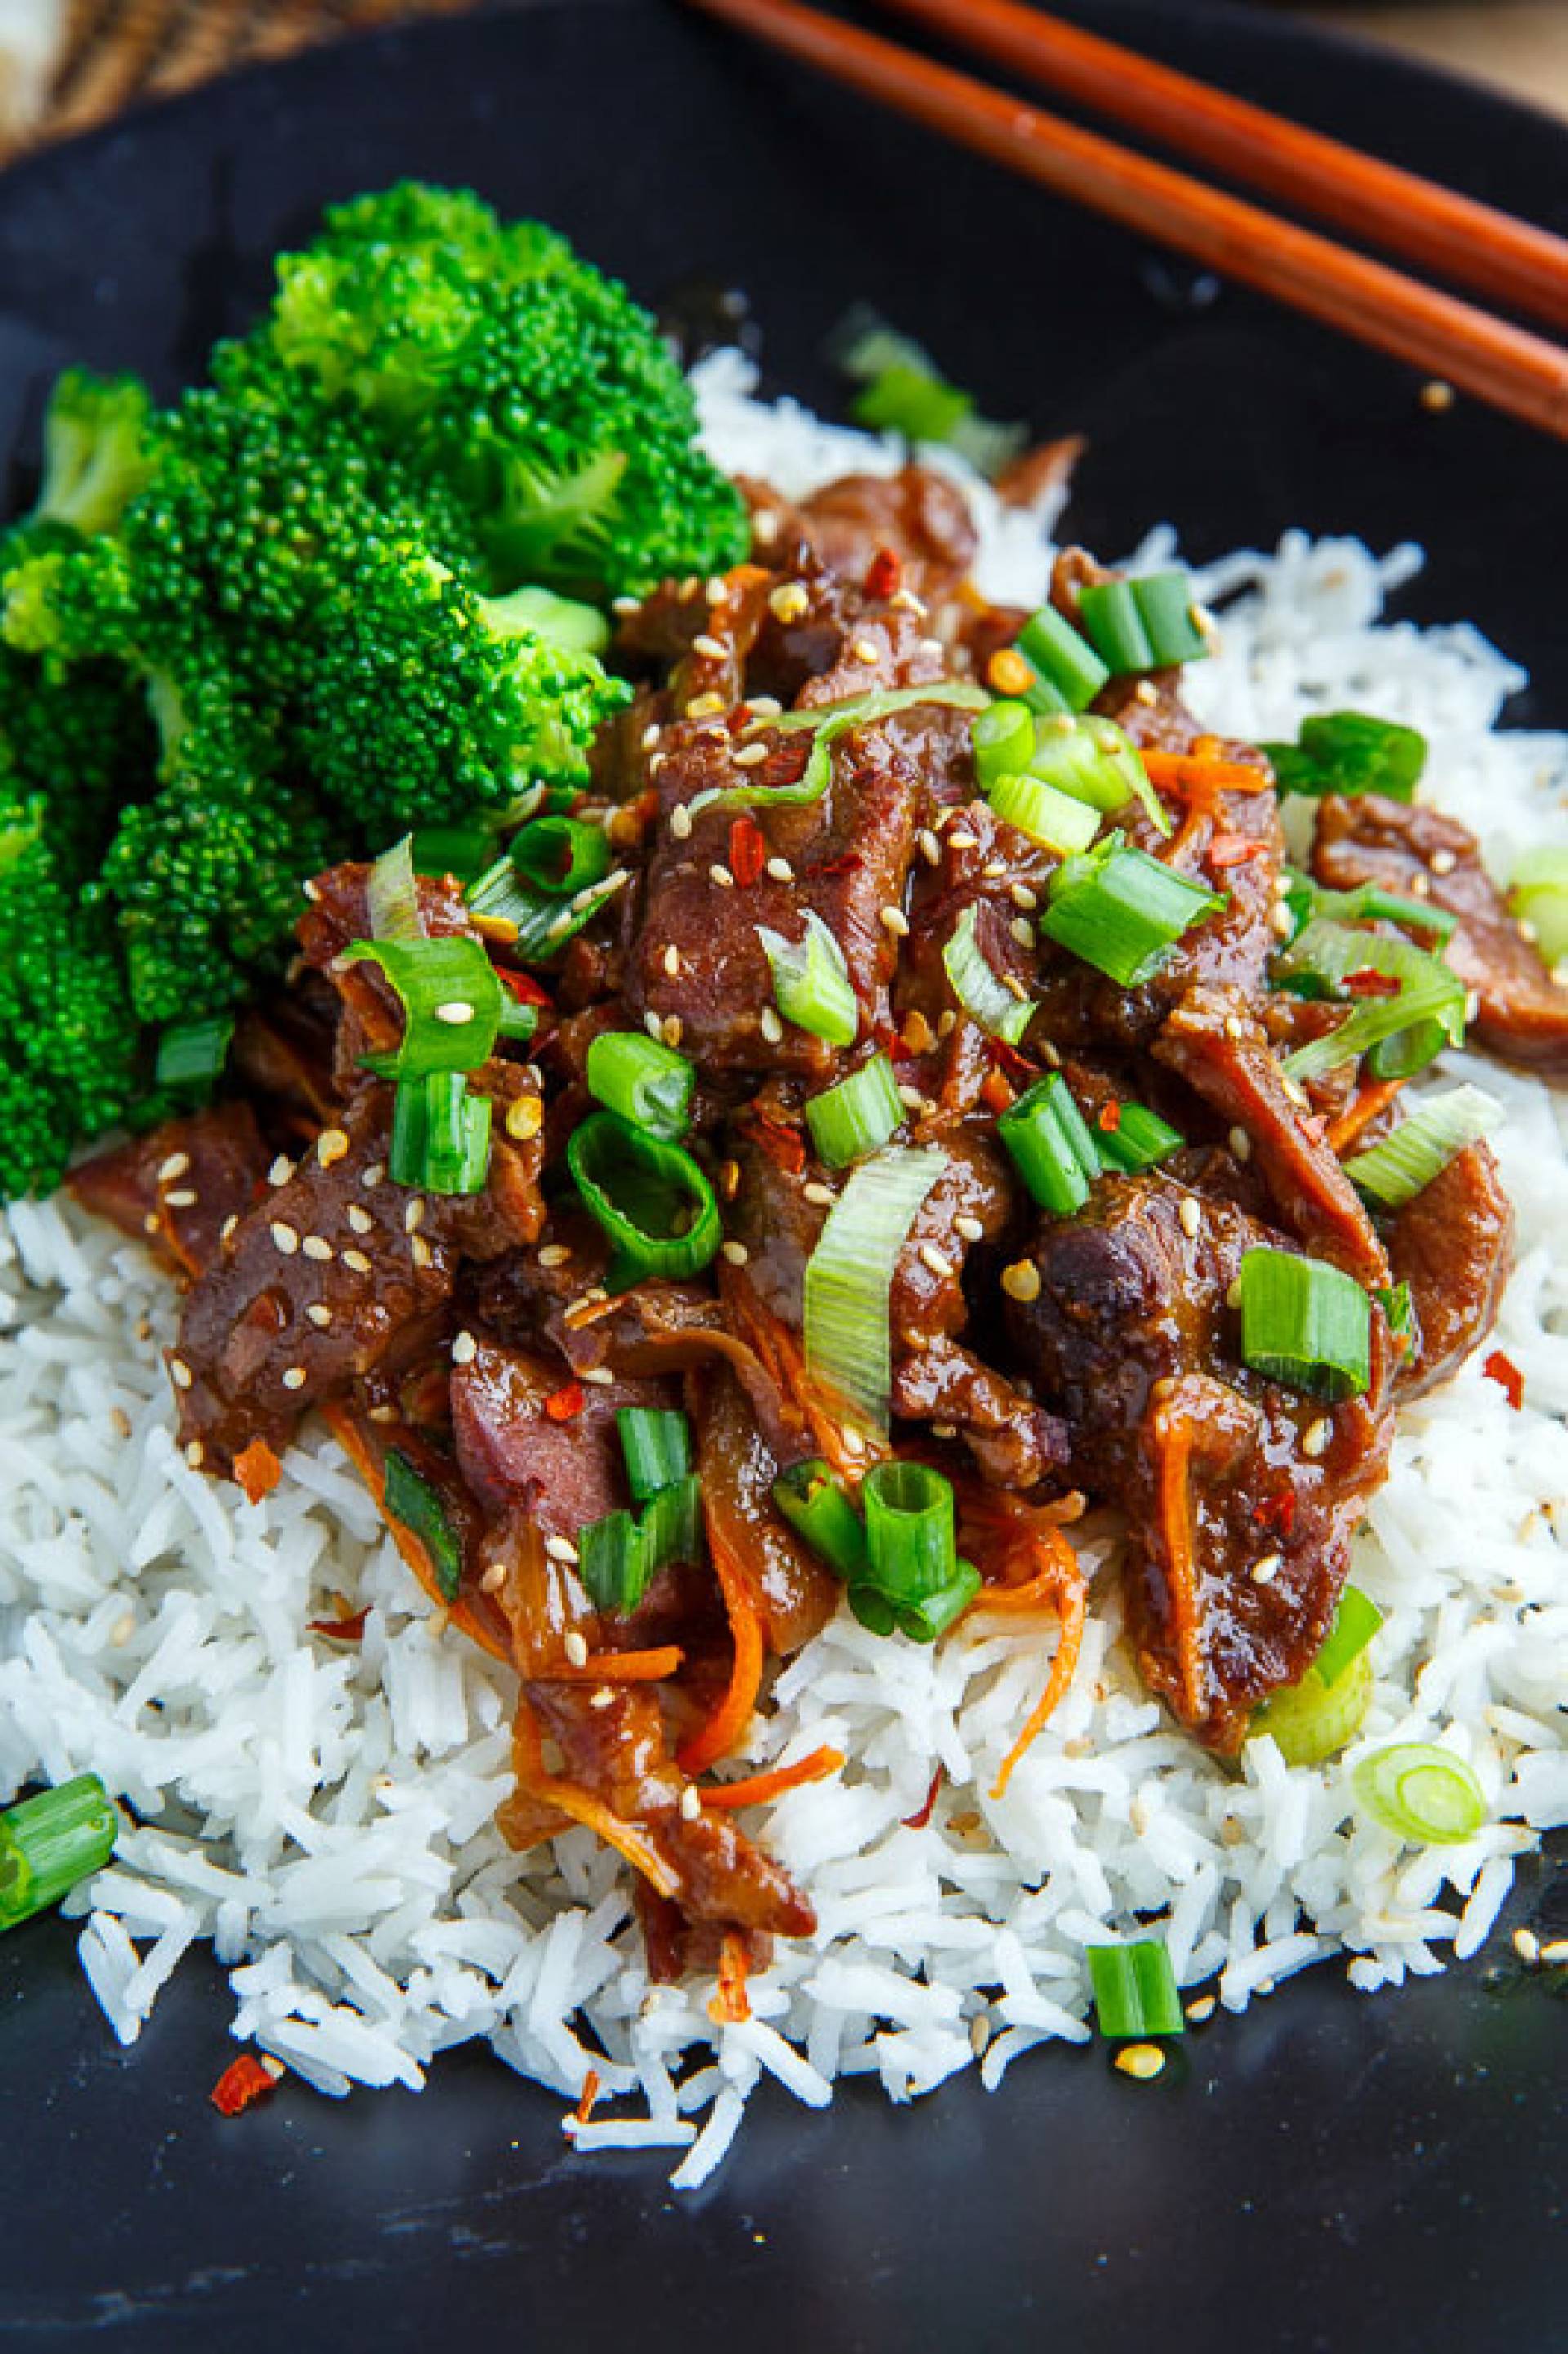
1109	1118
563	1404
884	574
748	850
584	2106
996	1093
347	1629
1369	982
1008	1058
1233	849
1276	1512
257	1469
887	1039
1507	1376
1313	1125
783	1143
917	1821
244	2082
523	987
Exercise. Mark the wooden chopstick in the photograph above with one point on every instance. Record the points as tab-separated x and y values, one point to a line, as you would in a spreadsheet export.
1513	262
1499	363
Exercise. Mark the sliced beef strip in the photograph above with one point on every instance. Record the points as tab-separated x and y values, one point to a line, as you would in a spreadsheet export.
338	914
1454	1245
919	515
1222	1473
517	1456
1224	1055
178	1186
1523	1014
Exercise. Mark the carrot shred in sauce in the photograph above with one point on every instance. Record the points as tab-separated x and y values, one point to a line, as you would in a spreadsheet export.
258	1470
759	1789
718	1735
621	1667
590	2092
1361	1111
1202	772
1056	1583
627	1839
243	2082
730	2003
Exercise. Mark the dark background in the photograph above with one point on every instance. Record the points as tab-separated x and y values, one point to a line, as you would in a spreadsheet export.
1330	2173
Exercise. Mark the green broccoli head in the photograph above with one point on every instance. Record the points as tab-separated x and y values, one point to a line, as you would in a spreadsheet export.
70	1056
95	451
509	369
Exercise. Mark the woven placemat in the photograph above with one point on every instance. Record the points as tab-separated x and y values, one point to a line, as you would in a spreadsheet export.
119	51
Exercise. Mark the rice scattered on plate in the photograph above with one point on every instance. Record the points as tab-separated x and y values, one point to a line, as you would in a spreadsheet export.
322	1813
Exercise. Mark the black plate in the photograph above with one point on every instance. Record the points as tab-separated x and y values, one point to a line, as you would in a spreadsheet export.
1330	2173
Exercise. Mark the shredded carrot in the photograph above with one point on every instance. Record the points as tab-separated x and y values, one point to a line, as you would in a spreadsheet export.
1233	850
1195	772
1506	1373
996	1093
258	1470
621	1667
469	1615
1361	1112
1071	1607
1001	1527
584	1808
585	2108
564	1403
759	1789
1175	1522
729	2004
245	2082
717	1737
918	1821
748	850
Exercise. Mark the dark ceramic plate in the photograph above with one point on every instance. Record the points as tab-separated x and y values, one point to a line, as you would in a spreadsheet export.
1331	2172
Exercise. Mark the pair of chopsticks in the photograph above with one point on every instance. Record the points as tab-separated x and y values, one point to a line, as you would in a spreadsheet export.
1512	261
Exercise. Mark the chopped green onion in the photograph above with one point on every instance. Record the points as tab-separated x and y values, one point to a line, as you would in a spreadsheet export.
51	1843
611	1561
1367	903
392	896
642	1079
452	999
1068	673
1540	898
1404	1163
855	1117
193	1054
1003	735
1122	911
409	1498
656	1442
1356	1621
924	1619
542	920
811	981
562	855
817	1508
1055	819
464	848
907	393
849	1279
1313	1721
1165	606
1140	1139
1399	1308
1050	1146
440	1135
651	1198
1136	1992
1109	617
1429	1004
1305	1323
911	1539
1094	760
671	1524
979	989
828	722
1350	752
1421	1793
902	398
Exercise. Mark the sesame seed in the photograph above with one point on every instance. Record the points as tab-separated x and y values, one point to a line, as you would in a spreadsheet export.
1014	987
1233	1026
384	1414
195	1454
946	1022
1203	621
421	1252
1296	1091
1282	921
1023	931
708	647
180	1372
226	1232
653	1024
780	870
1051	1053
1443	862
494	1578
764	707
764	528
1315	1437
183	1198
1264	1571
317	1247
721	875
906	601
625	605
525	1119
1527	1945
932	647
331	1146
1191	1216
918	1034
750	756
413	1216
894	920
295	1378
554	1255
1555	1954
1240	1143
575	1648
1436	396
938	1261
358	1261
561	1549
910	1098
1146	692
284	1238
175	1166
789	602
944	1430
853	1443
1200	2008
124	1626
771	1028
670	960
961	839
1526	930
372	1173
1022	1280
455	1012
601	1375
1472	1004
930	847
691	1804
674	1029
680	822
970	1228
736	1252
1143	2062
866	650
280	1171
359	1220
705	706
813	1190
1022	897
650	734
465	1348
320	1314
1234	1293
993	870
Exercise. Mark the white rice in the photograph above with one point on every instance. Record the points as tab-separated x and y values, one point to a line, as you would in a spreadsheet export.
324	1815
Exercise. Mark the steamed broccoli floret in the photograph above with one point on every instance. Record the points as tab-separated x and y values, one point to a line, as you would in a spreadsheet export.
499	363
69	1046
95	453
